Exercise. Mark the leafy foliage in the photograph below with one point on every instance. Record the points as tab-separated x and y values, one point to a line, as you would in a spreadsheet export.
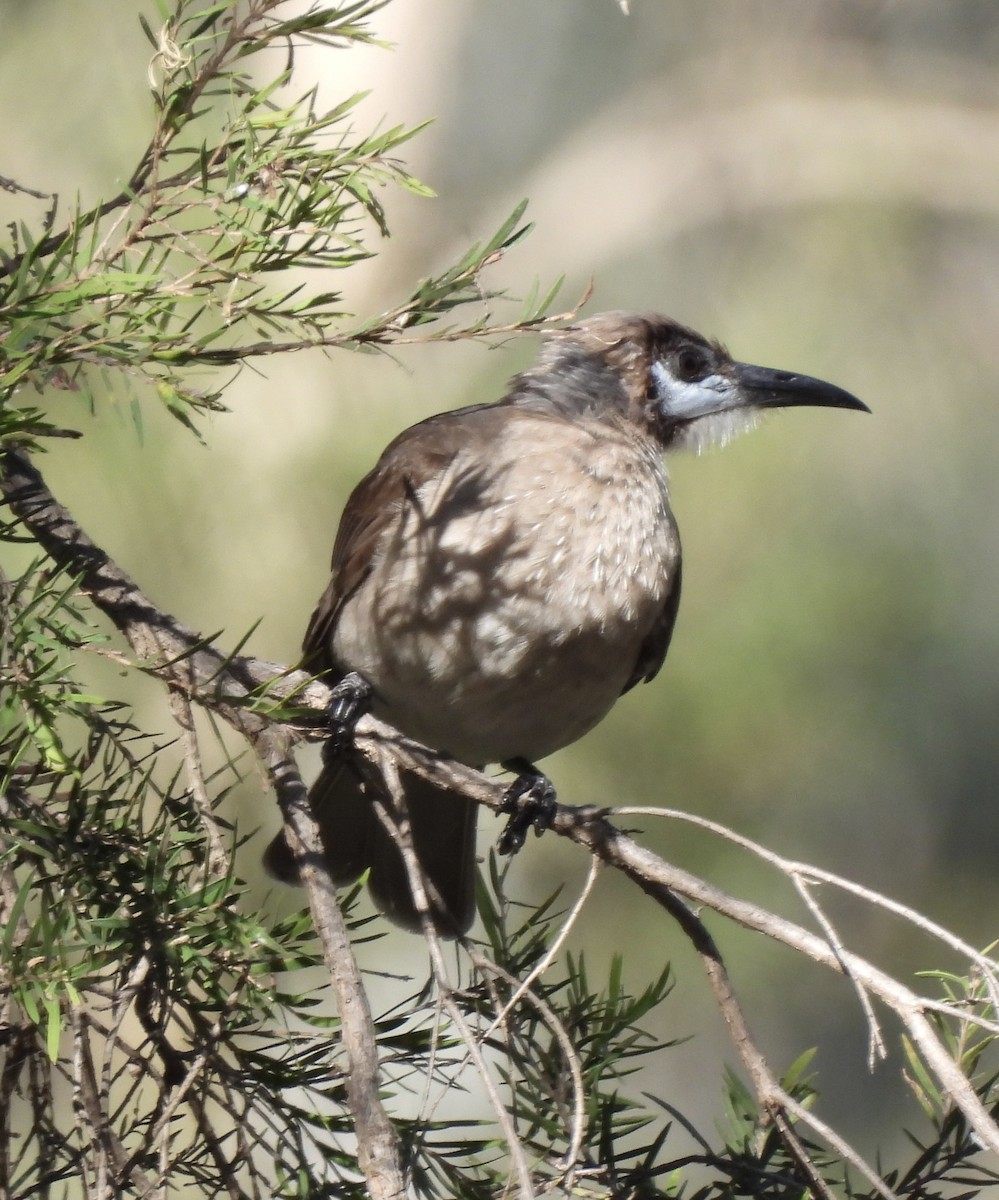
135	978
135	981
189	267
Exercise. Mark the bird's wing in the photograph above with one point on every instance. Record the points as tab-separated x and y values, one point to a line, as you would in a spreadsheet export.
372	507
652	653
417	455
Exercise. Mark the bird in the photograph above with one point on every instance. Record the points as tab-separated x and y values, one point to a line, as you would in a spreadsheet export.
508	570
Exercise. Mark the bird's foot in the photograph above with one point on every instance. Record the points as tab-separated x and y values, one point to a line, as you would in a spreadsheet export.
351	700
530	800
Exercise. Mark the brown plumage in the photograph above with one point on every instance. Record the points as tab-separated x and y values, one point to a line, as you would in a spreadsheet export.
506	571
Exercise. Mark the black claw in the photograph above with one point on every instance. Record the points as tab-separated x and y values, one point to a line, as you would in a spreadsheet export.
530	800
350	701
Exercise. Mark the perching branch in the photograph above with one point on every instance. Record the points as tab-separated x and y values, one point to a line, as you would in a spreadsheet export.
235	687
199	672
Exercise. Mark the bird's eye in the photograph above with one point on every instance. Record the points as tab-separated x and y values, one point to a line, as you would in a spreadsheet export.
691	364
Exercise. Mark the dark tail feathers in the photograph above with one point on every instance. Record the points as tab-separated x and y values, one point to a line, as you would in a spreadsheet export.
443	825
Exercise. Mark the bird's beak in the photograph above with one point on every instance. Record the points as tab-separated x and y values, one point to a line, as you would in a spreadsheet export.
764	387
740	387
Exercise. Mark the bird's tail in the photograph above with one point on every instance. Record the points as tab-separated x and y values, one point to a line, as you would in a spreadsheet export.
354	840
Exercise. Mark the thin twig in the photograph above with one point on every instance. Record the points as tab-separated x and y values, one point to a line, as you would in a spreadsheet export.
108	1150
765	1084
557	943
182	1091
218	856
398	825
577	1123
11	185
876	1048
523	989
378	1147
812	874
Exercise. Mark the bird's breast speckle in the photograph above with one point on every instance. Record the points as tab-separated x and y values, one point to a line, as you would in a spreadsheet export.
503	618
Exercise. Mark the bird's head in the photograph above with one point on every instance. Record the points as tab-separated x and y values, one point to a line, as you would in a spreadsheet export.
679	386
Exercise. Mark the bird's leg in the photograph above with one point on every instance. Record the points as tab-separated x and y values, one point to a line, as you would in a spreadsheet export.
351	700
530	800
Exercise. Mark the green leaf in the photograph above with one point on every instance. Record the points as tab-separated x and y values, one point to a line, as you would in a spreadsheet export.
53	1027
147	30
922	1083
795	1077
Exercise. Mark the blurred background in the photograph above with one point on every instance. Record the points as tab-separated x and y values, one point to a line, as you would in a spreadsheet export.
815	184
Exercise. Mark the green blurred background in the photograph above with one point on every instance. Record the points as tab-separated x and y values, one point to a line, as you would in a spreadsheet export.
817	184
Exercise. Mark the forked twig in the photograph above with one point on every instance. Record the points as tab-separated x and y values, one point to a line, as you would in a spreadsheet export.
225	684
808	875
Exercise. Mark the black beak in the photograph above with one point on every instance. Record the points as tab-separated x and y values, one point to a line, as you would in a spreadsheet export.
764	387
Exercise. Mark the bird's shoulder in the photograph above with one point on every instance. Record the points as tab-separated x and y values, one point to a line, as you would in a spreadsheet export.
416	456
419	454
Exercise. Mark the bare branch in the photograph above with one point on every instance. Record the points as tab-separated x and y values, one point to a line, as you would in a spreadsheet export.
808	875
192	668
112	1165
657	878
377	1141
773	1099
225	684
